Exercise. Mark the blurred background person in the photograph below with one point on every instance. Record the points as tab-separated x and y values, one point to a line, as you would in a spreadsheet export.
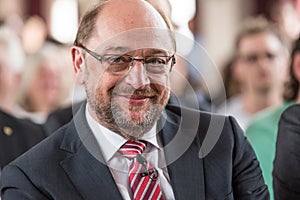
286	174
45	84
11	61
185	79
16	135
262	131
33	34
286	13
260	67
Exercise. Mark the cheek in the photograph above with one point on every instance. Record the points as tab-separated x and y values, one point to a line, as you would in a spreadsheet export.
103	86
161	83
163	86
163	93
162	90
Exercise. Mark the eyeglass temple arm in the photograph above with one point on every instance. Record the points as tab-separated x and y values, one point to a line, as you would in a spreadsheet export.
98	57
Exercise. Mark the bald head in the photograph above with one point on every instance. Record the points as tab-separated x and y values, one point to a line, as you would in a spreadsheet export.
162	6
132	14
119	16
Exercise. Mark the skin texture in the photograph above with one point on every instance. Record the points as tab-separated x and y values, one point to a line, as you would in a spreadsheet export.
44	90
261	79
128	104
264	73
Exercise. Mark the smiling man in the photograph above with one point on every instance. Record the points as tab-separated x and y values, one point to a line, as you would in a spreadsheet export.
126	142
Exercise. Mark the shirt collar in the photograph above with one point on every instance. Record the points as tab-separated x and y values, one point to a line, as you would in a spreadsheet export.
110	142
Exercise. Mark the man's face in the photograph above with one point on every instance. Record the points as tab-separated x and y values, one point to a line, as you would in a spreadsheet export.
262	63
129	102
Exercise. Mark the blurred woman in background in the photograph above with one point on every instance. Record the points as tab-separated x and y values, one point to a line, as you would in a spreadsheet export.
45	86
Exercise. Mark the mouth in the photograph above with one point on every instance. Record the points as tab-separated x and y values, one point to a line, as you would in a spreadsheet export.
135	100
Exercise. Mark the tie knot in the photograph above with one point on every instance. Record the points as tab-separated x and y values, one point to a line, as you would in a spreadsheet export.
133	148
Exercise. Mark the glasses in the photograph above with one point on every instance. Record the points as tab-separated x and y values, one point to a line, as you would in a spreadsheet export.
254	58
120	64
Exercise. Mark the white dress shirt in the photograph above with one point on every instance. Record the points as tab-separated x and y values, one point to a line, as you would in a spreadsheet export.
110	142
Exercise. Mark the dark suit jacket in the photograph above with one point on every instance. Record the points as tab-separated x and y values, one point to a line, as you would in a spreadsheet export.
286	172
16	137
60	117
67	164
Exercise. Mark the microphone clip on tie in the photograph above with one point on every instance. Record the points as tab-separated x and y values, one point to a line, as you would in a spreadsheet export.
151	173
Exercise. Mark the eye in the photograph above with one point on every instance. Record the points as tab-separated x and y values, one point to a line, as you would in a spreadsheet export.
252	58
156	60
270	56
118	59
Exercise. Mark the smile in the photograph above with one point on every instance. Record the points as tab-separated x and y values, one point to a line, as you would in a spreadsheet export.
134	100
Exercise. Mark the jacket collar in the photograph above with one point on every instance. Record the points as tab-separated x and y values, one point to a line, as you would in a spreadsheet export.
86	168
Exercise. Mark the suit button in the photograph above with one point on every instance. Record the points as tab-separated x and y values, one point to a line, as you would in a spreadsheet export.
7	130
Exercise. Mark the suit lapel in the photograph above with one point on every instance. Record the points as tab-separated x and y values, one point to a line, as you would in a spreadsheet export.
92	178
85	167
185	169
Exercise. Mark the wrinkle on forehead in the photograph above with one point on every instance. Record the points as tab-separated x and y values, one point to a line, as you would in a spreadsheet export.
119	16
146	38
132	13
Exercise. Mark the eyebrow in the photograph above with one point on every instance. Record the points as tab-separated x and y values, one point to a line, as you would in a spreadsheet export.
119	49
123	49
157	51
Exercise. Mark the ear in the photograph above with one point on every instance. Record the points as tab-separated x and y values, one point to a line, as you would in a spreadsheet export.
78	64
296	66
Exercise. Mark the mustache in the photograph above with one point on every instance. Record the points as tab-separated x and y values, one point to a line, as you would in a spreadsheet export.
144	91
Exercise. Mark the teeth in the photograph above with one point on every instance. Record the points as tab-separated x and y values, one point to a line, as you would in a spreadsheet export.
138	97
135	108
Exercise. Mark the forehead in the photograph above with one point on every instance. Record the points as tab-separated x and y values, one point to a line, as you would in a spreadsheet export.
260	42
146	38
131	23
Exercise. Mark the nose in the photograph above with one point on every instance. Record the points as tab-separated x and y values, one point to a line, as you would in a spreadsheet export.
137	76
264	62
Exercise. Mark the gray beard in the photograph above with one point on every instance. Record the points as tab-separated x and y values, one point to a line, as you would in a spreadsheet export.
135	129
111	116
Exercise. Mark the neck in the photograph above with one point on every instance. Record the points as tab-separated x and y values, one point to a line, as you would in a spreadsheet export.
7	105
39	107
255	102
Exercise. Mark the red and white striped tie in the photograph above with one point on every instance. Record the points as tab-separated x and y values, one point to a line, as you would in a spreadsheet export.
142	175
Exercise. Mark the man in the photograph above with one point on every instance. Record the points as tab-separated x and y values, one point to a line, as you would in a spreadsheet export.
16	137
262	131
123	54
260	68
14	140
286	163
